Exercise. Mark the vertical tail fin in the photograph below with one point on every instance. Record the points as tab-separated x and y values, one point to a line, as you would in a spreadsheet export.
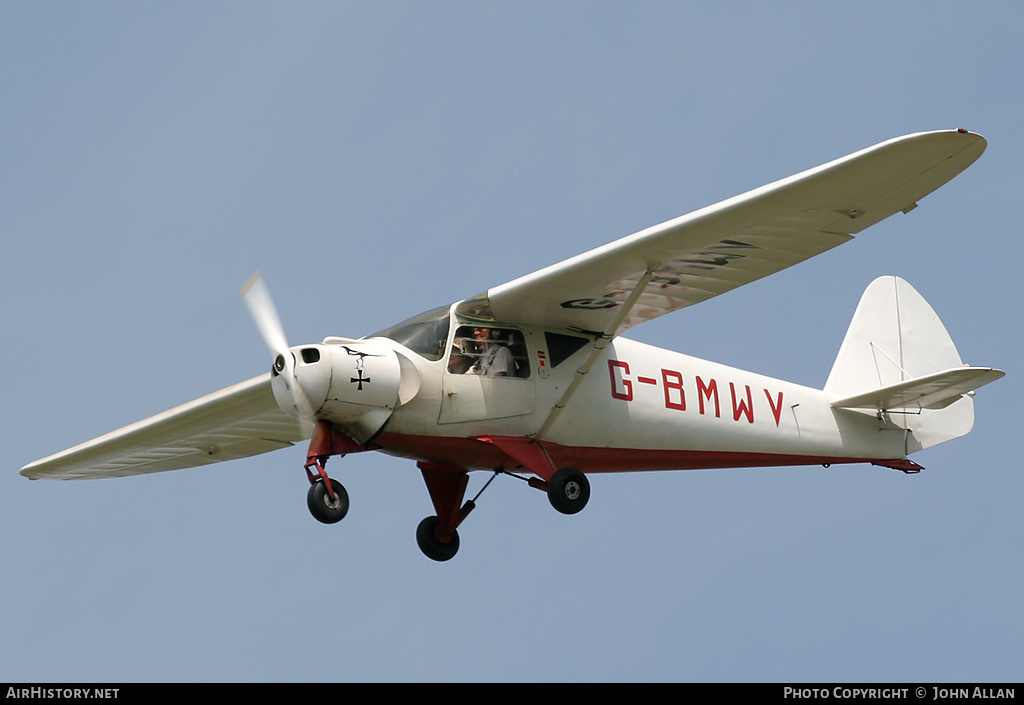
898	358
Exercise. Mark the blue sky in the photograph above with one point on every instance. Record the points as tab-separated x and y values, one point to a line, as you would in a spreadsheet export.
374	160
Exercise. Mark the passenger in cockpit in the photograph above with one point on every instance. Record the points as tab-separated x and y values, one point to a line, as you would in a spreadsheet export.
459	361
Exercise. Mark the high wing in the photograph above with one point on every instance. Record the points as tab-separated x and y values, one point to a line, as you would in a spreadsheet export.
236	422
716	249
661	269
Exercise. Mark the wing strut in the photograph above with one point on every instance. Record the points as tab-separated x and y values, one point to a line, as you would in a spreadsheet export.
599	345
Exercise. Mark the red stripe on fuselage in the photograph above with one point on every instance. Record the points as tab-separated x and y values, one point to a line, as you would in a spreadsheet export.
473	454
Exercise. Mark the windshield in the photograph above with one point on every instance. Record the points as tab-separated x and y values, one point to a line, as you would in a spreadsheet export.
425	334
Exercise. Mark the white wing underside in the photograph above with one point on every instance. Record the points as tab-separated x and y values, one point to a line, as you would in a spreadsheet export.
737	241
692	258
236	422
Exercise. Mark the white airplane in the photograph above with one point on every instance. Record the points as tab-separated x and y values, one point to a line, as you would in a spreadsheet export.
502	382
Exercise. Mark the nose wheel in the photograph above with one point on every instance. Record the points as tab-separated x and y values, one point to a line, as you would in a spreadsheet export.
327	499
327	507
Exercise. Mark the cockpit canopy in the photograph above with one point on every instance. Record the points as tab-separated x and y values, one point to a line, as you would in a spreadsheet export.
425	334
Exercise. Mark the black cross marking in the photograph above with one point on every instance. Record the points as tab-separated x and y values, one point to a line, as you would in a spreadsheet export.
359	380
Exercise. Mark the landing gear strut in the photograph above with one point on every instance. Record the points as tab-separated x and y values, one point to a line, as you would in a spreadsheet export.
327	498
436	535
568	488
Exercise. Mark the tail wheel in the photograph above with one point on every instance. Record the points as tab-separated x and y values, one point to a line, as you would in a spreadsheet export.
568	490
323	506
432	545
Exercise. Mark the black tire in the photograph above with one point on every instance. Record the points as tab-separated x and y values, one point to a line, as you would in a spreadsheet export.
568	490
322	507
432	547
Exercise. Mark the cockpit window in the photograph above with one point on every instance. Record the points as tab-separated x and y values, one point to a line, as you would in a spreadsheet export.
561	347
490	352
425	334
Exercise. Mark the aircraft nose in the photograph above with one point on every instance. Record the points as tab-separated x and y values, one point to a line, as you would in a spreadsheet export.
311	377
279	364
313	373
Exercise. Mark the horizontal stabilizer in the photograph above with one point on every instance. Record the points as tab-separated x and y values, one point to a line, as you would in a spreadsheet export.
934	391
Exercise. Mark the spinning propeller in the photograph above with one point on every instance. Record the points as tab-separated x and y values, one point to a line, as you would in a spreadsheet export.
354	385
287	390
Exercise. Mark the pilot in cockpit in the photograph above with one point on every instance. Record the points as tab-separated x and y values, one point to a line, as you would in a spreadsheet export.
495	358
484	353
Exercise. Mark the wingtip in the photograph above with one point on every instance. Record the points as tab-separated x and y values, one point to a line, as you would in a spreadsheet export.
29	470
978	138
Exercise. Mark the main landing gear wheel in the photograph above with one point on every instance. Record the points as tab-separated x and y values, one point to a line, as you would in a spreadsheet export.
568	490
325	508
431	545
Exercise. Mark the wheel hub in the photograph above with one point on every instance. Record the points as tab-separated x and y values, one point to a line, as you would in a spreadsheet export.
572	490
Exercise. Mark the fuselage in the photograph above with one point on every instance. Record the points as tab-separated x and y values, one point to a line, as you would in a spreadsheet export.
639	408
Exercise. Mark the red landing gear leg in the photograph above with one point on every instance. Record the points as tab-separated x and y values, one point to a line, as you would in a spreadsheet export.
327	498
436	535
568	489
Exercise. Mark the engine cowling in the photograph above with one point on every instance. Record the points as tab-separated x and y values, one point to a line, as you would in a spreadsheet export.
354	385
